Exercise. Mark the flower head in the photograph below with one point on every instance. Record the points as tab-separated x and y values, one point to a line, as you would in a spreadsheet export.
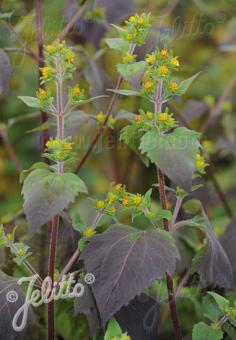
125	201
137	199
148	85
163	117
89	232
163	53
100	204
138	118
173	85
128	58
76	90
150	58
163	70
100	117
174	61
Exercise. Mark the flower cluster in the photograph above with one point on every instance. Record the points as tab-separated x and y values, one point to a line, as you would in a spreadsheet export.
75	95
44	98
200	163
58	150
118	194
58	53
148	120
160	65
100	118
137	27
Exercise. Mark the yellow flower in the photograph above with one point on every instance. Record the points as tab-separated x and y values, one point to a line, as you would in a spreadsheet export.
100	204
70	56
124	336
111	197
68	146
100	117
125	201
149	85
50	48
132	19
118	187
128	57
150	58
163	70
173	85
175	62
163	117
137	118
140	21
129	36
200	163
137	199
149	114
89	232
42	93
45	71
112	209
163	53
76	90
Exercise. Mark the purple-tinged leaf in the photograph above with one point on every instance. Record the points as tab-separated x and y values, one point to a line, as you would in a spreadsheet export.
47	194
75	121
139	319
228	242
124	261
12	298
212	263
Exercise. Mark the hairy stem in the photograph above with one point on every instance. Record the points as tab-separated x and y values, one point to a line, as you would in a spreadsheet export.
55	221
162	197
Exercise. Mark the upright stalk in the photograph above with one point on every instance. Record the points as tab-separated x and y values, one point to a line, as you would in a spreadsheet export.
55	221
162	197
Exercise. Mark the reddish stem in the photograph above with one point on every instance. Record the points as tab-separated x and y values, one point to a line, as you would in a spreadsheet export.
51	269
169	281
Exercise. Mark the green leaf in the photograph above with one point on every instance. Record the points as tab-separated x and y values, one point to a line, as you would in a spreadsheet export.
42	127
167	214
125	92
210	310
86	101
184	85
129	116
118	44
78	223
127	70
192	206
230	330
173	153
131	135
46	194
30	101
220	300
7	15
118	28
37	165
113	330
202	331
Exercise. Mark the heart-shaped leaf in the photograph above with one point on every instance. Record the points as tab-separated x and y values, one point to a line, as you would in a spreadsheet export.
47	194
124	261
173	153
